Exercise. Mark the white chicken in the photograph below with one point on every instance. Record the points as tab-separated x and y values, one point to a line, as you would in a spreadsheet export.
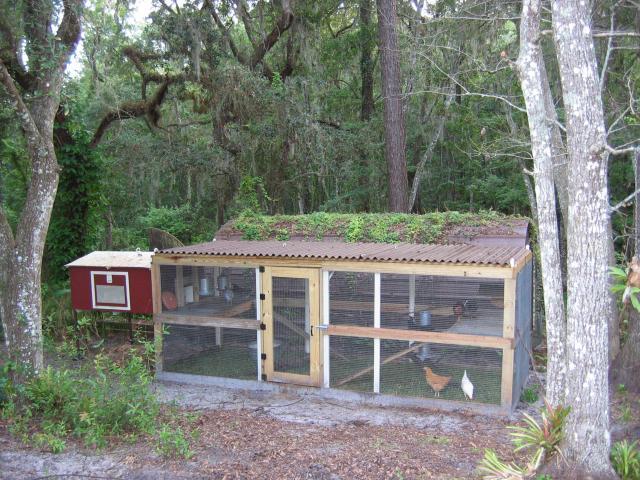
467	386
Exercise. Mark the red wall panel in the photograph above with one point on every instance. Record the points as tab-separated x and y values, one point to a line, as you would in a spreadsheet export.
139	288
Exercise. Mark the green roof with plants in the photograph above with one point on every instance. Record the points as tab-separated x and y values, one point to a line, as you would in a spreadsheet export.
431	228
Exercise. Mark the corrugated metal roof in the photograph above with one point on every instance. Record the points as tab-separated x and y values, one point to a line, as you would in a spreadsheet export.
114	259
401	252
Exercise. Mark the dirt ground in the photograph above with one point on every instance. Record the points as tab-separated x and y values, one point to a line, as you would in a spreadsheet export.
267	435
274	435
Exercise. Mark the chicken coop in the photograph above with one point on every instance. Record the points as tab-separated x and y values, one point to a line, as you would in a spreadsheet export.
443	323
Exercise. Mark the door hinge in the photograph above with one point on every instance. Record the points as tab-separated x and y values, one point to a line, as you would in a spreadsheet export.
263	326
263	296
263	356
264	377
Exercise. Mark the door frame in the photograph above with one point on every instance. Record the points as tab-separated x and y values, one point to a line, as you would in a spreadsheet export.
314	285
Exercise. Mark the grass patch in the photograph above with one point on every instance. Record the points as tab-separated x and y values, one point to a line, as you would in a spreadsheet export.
405	379
227	360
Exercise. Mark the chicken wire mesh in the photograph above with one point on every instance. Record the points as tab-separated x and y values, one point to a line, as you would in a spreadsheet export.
473	306
351	363
217	352
351	298
437	370
524	312
208	291
291	325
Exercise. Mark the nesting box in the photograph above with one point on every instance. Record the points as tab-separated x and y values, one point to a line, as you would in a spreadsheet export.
112	281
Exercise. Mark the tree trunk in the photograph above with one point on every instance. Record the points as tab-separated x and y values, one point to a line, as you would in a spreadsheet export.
533	78
366	60
428	153
394	134
21	255
628	362
587	441
636	210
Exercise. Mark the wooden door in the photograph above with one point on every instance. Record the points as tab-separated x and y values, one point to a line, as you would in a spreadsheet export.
291	317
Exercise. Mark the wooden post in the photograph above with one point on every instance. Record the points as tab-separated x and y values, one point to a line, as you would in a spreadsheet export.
216	293
130	322
258	317
412	297
74	316
156	289
307	318
195	281
180	286
376	341
508	331
325	337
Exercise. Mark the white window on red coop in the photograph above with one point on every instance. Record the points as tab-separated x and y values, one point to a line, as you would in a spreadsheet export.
110	290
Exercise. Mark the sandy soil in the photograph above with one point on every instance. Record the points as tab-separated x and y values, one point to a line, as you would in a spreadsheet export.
282	436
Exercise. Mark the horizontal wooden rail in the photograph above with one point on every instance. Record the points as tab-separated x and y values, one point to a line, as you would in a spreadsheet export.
419	336
197	321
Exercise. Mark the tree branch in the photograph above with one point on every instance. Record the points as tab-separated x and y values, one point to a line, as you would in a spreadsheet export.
225	33
134	109
9	55
24	116
281	26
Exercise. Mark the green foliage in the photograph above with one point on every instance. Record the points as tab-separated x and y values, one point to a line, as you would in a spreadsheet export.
619	276
545	435
541	439
77	218
530	395
625	459
92	405
171	442
363	227
182	222
251	197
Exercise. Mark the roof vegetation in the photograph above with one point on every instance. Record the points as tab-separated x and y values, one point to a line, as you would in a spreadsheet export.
366	227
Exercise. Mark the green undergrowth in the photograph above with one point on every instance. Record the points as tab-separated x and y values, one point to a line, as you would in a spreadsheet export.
98	403
364	227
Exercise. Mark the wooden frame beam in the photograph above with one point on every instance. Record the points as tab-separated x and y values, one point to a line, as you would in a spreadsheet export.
226	322
420	336
438	269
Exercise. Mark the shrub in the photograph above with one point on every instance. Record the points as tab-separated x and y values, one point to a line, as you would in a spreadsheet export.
90	403
541	438
625	459
171	442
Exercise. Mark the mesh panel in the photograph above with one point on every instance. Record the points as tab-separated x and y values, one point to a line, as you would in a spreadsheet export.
351	299
208	291
351	363
471	306
218	352
403	370
524	292
291	325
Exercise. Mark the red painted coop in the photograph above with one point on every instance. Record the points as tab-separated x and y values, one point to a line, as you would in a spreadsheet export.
112	281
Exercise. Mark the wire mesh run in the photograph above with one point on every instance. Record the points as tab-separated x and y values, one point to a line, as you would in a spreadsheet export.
436	370
351	298
473	306
211	351
351	363
291	325
208	291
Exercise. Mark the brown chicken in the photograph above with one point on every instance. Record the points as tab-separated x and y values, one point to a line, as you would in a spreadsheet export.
435	381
